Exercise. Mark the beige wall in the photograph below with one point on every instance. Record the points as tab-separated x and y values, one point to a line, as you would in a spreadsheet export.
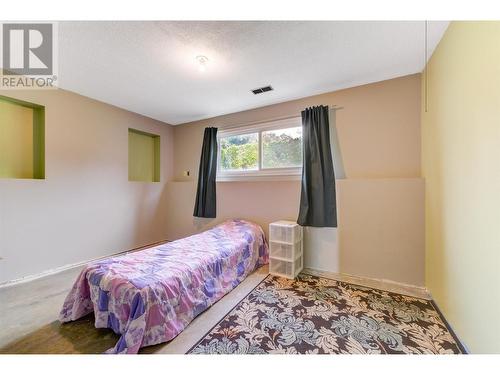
378	129
382	228
85	207
379	135
235	200
460	163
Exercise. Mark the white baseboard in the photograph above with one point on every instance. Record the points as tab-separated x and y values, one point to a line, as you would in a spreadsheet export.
66	267
387	285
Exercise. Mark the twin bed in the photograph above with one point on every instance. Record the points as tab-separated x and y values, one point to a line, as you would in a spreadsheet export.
150	296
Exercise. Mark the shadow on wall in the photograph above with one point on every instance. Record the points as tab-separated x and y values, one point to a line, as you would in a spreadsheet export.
338	161
321	250
149	213
201	223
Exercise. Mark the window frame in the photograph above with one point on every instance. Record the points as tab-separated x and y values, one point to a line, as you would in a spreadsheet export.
261	174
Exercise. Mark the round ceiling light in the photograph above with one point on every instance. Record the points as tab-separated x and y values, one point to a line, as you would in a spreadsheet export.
202	63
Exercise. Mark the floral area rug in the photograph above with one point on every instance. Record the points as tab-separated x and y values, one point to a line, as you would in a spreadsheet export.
314	315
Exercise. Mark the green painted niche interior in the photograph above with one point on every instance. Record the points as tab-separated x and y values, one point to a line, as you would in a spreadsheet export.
143	156
22	139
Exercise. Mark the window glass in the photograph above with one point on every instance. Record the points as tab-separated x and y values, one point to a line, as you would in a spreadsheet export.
239	152
282	148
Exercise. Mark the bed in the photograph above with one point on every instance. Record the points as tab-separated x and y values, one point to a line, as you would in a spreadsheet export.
150	296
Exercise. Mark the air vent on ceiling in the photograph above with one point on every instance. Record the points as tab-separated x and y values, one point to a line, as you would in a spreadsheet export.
260	90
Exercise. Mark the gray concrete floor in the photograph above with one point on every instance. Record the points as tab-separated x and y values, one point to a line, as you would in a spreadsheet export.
28	306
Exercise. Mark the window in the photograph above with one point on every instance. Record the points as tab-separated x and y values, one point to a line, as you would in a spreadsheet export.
239	152
282	148
143	156
22	139
271	150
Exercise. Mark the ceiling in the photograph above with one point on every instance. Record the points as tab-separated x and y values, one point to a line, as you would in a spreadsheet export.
151	68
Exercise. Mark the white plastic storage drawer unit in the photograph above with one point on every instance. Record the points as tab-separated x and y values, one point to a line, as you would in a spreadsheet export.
285	231
285	268
285	245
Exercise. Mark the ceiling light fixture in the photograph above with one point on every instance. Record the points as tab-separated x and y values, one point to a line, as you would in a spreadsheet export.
202	63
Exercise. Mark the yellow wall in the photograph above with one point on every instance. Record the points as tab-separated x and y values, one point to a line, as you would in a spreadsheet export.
143	156
461	166
16	141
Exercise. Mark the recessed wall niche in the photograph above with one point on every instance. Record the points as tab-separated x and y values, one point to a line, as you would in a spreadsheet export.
22	139
143	156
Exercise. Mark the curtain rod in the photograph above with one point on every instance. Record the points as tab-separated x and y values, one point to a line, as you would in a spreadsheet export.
331	108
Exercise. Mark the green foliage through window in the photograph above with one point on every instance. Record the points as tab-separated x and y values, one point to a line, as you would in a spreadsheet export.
239	152
281	148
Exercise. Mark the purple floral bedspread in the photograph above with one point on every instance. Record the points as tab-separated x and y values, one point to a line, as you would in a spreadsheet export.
150	296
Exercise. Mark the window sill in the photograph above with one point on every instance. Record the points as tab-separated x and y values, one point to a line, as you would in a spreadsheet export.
259	177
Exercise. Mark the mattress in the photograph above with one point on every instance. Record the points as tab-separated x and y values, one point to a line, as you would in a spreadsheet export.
150	296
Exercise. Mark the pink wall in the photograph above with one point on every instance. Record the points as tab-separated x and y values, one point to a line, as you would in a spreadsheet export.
90	209
250	200
379	135
378	129
85	207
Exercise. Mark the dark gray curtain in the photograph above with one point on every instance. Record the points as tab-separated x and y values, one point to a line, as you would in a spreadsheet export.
205	205
317	198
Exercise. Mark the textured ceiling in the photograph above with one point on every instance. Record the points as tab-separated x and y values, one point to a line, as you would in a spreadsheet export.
150	67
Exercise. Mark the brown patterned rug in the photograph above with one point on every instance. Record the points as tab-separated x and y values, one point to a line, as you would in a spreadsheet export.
314	315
